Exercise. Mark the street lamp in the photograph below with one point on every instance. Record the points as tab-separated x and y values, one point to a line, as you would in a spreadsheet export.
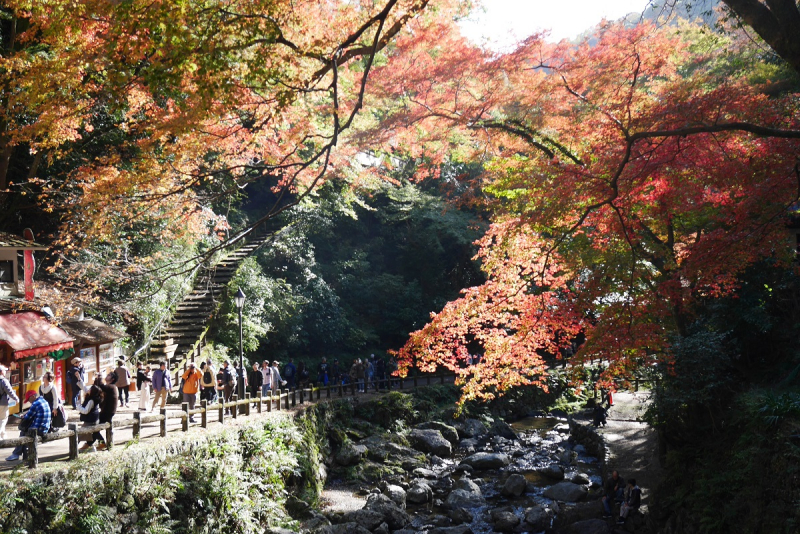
239	300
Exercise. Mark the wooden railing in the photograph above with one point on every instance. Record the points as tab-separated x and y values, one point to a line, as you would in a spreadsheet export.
237	407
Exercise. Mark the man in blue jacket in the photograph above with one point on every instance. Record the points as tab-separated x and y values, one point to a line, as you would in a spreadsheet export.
38	418
162	385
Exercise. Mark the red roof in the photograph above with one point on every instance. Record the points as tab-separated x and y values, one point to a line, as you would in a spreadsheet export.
31	334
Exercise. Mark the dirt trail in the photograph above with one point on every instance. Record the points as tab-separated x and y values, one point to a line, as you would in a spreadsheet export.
632	444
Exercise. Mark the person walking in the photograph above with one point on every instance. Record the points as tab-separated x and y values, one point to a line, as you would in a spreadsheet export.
8	398
361	372
322	372
277	381
256	380
336	372
76	378
90	412
208	384
108	408
191	386
143	382
369	371
162	385
37	418
123	383
290	374
227	382
266	378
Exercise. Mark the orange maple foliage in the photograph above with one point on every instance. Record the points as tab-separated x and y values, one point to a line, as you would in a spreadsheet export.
197	98
629	183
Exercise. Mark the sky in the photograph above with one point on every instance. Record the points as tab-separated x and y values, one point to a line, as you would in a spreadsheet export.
506	21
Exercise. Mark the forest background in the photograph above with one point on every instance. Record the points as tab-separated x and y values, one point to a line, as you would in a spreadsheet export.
628	198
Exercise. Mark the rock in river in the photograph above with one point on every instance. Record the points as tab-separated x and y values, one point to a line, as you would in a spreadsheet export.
487	460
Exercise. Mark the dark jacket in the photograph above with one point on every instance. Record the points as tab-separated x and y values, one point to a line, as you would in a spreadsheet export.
108	408
141	378
255	380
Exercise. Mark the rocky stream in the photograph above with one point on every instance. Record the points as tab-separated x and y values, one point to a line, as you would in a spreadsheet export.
536	475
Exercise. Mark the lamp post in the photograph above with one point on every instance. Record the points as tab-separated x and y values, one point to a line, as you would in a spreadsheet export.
239	300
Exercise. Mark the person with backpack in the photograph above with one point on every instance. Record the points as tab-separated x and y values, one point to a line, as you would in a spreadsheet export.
76	378
335	372
191	386
8	397
208	384
123	383
289	373
302	375
162	385
277	381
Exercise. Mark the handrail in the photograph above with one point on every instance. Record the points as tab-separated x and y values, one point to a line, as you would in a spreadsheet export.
285	398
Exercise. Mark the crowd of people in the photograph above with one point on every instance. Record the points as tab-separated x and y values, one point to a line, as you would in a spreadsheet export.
97	402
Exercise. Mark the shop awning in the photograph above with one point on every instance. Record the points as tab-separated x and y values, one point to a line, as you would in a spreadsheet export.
91	332
31	334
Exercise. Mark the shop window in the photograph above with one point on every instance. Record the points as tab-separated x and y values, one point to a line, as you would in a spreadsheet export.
6	271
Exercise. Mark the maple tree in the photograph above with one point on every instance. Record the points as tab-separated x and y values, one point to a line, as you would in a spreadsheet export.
630	182
133	118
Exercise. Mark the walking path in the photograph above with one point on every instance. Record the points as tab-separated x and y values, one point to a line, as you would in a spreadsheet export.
632	445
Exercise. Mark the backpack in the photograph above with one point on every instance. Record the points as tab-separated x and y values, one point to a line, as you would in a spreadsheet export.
230	378
288	371
208	378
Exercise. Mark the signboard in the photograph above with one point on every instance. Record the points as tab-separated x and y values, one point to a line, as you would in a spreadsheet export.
107	354
89	357
58	378
30	265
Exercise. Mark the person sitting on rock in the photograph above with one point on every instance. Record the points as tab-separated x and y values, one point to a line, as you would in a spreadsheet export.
614	490
632	501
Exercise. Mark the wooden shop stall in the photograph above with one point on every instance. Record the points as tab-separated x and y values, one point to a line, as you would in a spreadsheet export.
30	345
96	344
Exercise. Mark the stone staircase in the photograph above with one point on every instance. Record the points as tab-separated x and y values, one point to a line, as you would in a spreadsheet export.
188	325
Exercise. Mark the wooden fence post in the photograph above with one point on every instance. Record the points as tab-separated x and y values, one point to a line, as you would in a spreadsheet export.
286	403
204	415
260	400
415	379
341	389
33	450
269	401
110	436
278	394
328	395
247	404
402	382
302	395
163	422
73	441
185	418
222	410
319	393
441	377
235	411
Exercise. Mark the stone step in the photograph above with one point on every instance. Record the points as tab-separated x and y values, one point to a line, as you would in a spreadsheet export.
191	327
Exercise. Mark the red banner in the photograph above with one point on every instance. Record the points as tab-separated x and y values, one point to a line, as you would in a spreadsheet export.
30	265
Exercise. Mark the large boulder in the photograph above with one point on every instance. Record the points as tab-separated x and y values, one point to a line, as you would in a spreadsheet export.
369	519
350	454
487	460
429	440
538	517
394	517
471	428
504	520
419	493
465	494
502	429
552	471
566	491
448	432
396	494
590	526
514	486
458	529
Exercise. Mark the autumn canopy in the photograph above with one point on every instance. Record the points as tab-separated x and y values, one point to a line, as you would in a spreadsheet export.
629	176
